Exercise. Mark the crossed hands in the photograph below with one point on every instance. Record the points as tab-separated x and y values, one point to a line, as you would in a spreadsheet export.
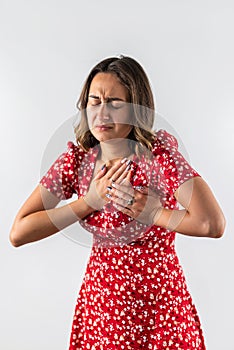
113	185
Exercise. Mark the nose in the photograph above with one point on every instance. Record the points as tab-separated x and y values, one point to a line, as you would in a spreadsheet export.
103	112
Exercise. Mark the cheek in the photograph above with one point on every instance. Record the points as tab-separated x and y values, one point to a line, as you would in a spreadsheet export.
124	128
90	117
123	118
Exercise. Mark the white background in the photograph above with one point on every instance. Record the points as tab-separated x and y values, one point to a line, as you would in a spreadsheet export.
47	49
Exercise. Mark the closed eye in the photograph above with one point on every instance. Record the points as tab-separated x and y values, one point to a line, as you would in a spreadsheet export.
116	104
94	100
112	102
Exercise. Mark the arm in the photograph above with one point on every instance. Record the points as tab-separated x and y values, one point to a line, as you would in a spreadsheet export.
38	218
202	216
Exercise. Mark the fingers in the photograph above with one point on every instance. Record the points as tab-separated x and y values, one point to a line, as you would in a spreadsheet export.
122	189
119	194
119	170
101	172
125	203
126	197
125	177
122	209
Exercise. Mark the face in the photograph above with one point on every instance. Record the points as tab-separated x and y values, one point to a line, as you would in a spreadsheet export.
107	109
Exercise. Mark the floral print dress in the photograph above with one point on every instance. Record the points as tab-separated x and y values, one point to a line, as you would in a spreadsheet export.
134	294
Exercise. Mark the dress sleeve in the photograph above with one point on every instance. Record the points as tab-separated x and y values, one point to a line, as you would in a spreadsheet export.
173	168
61	178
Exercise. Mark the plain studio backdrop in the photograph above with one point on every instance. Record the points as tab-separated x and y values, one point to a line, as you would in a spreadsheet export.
47	49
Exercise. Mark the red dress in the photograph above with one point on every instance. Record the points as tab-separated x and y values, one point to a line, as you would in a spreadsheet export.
134	294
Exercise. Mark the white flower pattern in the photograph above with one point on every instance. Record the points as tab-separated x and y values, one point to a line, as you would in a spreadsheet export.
134	294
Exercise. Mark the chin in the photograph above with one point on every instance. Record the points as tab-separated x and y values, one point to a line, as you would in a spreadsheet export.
101	138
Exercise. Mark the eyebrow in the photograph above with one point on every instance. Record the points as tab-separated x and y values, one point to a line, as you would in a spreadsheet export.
108	98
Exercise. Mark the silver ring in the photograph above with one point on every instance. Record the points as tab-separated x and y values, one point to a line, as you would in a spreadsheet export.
139	188
130	201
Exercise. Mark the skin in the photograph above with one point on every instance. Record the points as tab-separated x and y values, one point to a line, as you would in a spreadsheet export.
201	216
108	112
39	218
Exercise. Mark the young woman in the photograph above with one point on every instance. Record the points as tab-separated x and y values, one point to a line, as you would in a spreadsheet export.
129	181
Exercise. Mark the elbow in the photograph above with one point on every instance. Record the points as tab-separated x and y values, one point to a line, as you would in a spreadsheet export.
216	227
14	242
14	239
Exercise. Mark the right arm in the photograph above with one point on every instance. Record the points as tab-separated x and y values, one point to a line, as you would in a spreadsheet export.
38	218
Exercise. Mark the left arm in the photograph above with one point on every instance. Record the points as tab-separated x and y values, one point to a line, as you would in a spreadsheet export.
202	216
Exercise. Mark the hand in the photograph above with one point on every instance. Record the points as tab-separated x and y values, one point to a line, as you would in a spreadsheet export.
97	195
142	203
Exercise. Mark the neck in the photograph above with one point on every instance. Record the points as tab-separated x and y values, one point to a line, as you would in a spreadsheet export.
113	149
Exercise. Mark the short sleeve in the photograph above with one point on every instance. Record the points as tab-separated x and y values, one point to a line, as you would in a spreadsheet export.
61	179
173	168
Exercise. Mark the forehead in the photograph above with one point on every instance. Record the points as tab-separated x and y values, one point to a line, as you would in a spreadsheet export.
107	84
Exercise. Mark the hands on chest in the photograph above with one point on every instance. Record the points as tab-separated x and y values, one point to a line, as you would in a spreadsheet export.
112	183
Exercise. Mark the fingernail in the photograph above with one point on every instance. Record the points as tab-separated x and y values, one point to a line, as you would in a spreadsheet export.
129	162
128	167
103	167
109	188
108	195
113	184
123	160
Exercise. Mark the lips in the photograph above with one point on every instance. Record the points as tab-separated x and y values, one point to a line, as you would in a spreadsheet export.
103	127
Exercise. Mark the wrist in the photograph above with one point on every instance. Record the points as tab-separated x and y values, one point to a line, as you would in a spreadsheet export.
93	202
157	215
87	205
81	208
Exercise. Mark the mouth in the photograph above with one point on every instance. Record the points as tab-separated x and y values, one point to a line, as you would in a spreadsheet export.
103	127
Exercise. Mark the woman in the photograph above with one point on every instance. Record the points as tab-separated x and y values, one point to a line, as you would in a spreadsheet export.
130	181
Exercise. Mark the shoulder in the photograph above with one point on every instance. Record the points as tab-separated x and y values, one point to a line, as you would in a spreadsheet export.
164	141
73	148
74	151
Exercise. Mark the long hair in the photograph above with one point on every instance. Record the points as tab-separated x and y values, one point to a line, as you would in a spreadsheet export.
133	77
